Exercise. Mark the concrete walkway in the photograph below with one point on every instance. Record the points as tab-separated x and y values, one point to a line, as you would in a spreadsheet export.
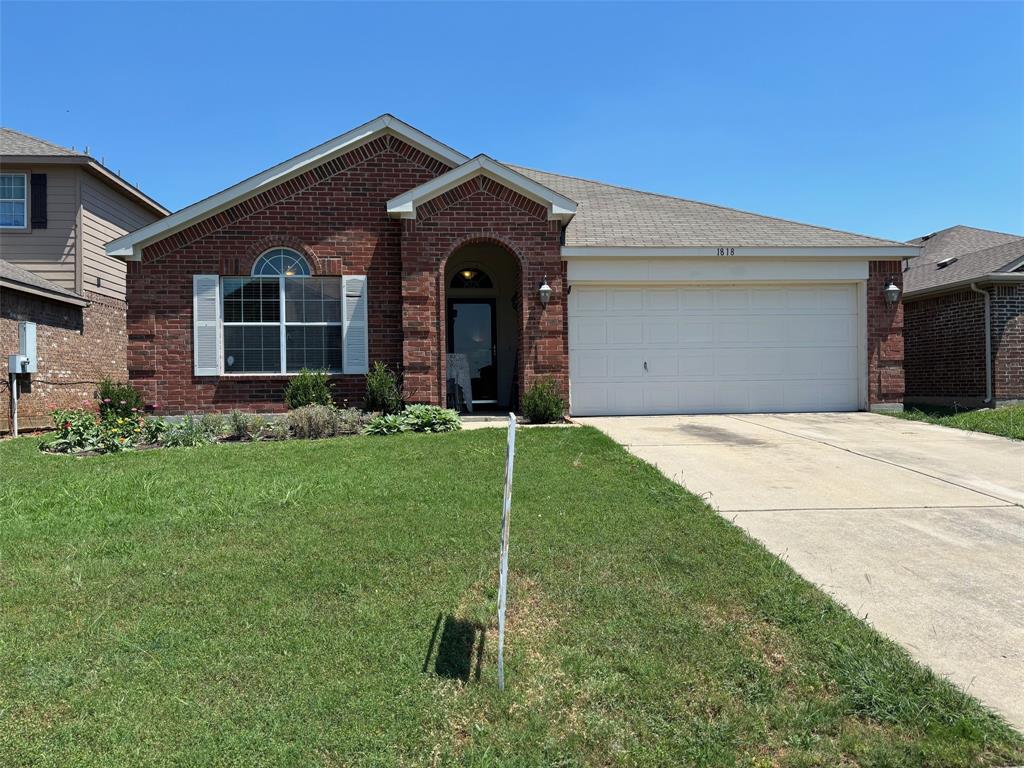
917	528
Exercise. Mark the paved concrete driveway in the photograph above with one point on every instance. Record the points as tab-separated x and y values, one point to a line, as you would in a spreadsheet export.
918	528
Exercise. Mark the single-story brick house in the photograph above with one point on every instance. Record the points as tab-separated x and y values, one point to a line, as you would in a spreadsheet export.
964	310
478	277
58	208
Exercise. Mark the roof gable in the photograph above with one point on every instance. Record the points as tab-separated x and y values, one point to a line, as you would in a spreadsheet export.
997	262
558	206
130	246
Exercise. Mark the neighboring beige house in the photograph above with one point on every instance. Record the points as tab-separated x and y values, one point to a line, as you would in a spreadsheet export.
58	208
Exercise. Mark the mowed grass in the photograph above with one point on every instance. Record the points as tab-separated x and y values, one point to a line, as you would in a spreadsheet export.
1007	421
331	603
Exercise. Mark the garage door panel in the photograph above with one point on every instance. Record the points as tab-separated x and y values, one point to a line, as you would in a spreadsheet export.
714	349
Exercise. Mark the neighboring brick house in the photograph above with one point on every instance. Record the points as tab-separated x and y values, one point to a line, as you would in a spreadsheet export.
479	278
58	208
964	317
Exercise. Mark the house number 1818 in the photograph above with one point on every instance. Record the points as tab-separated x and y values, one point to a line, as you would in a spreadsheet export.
726	251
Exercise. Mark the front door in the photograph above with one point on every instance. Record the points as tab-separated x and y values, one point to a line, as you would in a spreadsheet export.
472	332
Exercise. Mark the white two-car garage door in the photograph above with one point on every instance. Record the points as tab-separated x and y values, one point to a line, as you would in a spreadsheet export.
713	349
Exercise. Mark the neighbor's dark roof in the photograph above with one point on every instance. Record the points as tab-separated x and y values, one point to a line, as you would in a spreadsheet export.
14	277
17	143
978	252
613	216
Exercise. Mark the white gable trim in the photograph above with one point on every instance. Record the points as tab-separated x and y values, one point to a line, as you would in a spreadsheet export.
130	246
559	207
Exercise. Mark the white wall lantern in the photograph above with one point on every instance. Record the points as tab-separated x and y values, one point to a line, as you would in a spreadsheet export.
545	292
892	292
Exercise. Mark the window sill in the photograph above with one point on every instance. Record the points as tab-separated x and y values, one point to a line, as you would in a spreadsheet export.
264	375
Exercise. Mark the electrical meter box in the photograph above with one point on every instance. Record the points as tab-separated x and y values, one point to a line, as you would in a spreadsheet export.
25	361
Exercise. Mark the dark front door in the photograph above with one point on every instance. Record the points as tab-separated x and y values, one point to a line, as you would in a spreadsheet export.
472	332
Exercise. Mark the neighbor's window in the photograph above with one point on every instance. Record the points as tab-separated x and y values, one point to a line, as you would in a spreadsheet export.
13	194
284	323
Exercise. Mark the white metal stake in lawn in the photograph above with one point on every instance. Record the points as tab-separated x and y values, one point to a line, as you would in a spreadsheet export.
506	510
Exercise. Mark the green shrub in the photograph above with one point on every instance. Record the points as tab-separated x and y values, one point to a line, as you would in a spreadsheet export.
153	429
214	424
543	402
118	399
308	388
431	418
245	426
415	418
75	429
187	433
386	424
312	422
383	389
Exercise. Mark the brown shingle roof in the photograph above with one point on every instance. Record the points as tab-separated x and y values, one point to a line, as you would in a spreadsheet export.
611	216
17	143
978	252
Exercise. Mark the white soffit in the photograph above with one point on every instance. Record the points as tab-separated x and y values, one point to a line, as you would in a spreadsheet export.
559	207
130	246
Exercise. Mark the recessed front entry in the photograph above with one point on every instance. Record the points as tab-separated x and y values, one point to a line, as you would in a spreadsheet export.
472	331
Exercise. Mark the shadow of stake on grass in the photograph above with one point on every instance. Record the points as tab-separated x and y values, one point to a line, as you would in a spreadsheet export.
460	651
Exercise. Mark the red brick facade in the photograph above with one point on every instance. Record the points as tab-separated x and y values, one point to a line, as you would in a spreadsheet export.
885	337
946	346
336	214
77	347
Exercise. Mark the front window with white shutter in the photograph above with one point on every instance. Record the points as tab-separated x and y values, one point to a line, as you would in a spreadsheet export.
282	319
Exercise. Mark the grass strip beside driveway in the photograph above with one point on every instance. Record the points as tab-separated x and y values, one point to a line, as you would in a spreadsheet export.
332	603
1007	421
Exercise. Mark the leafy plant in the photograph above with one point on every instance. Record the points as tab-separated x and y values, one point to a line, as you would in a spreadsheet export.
118	399
275	429
313	422
75	429
308	388
213	423
187	433
119	433
386	424
383	389
415	418
350	421
543	402
245	426
431	418
153	429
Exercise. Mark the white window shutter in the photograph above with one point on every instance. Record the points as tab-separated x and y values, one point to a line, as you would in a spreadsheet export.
356	355
206	324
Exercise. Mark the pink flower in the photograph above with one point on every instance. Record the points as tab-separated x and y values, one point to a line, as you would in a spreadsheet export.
106	399
135	410
124	402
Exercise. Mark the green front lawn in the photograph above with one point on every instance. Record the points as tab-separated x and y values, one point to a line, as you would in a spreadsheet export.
1007	421
331	604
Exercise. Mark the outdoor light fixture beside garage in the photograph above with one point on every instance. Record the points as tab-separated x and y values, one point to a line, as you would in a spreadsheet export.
545	292
892	292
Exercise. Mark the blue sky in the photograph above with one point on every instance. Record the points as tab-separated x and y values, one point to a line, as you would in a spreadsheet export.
887	119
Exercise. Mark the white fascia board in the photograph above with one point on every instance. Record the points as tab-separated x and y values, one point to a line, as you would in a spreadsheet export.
832	252
959	285
559	207
130	246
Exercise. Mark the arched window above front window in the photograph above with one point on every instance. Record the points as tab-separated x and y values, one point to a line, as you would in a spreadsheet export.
281	262
470	277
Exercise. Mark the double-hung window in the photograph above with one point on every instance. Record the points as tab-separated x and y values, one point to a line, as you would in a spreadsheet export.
281	319
13	200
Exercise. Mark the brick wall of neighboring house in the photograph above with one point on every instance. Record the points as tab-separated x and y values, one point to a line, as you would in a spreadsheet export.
481	210
946	346
335	214
77	347
1007	342
885	337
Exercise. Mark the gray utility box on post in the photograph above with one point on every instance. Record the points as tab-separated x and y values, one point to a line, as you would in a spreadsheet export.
25	361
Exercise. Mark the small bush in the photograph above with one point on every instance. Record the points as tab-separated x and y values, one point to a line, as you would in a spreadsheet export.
313	422
351	421
383	389
542	402
75	429
153	429
415	418
214	424
187	433
431	418
308	388
118	399
245	426
275	429
386	424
